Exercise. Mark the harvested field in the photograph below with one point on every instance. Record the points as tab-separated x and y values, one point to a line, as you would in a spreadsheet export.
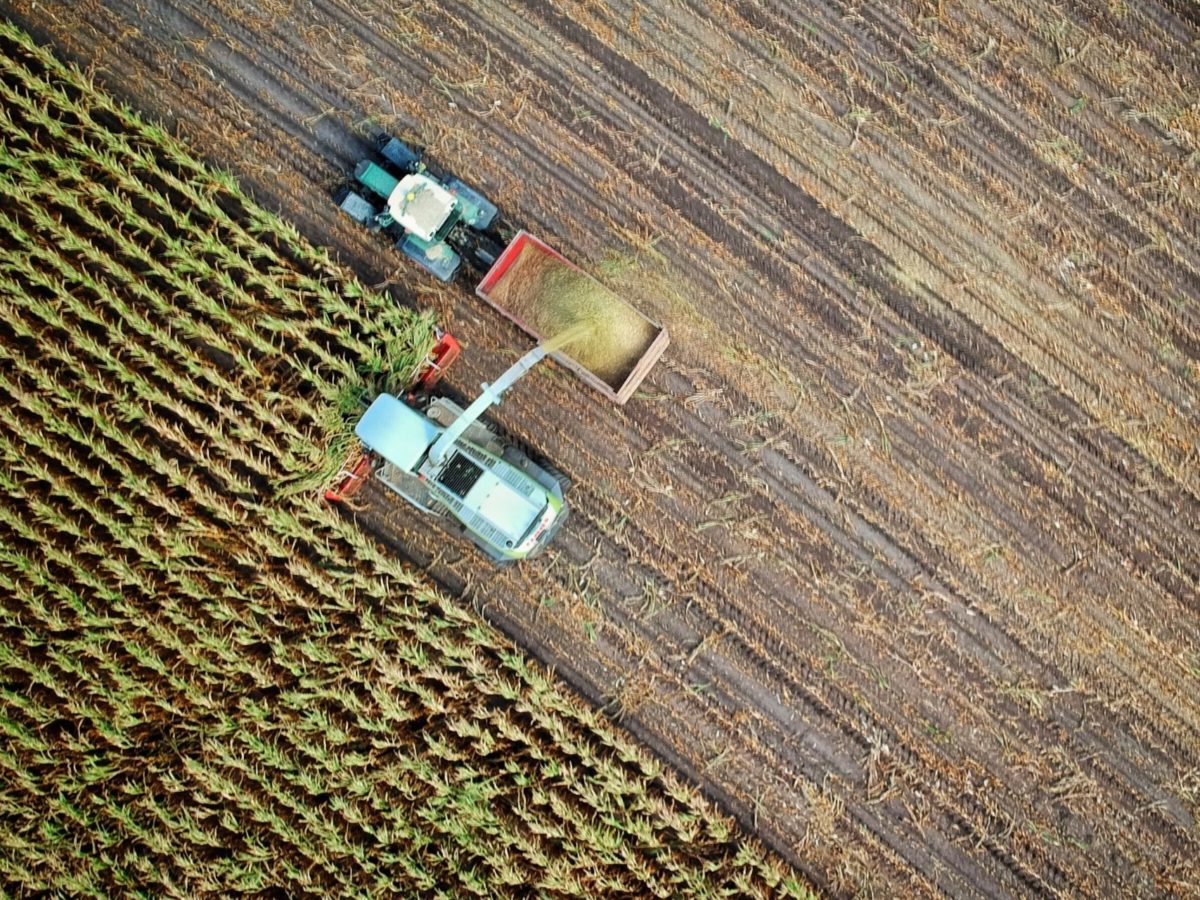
896	552
210	683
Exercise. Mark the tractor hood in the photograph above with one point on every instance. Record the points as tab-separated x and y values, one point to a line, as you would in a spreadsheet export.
396	431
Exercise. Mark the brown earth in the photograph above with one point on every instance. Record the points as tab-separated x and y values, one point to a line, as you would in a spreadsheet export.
896	551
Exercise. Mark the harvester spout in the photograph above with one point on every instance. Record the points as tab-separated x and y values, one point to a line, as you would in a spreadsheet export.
489	397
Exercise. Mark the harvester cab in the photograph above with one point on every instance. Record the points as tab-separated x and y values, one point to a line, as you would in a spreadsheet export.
435	218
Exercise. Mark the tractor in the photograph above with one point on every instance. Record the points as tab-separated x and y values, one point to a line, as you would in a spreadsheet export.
435	219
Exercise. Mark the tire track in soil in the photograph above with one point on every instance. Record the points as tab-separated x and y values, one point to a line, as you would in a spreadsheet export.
929	328
1065	733
1184	323
817	58
983	186
1013	124
783	273
1122	499
990	362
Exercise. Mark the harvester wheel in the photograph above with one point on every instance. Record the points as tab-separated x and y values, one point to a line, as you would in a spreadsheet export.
564	482
515	452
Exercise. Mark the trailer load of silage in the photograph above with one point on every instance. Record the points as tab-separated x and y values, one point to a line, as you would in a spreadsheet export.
574	312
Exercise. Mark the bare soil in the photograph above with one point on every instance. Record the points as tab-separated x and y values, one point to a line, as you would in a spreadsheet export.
895	553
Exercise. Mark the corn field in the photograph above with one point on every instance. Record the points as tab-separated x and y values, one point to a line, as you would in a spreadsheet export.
212	682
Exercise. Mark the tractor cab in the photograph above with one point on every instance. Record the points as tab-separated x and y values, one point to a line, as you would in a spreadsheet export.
421	206
435	218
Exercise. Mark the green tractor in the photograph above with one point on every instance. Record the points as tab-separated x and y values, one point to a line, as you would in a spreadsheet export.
435	219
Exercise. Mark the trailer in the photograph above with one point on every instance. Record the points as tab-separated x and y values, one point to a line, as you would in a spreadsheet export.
540	290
